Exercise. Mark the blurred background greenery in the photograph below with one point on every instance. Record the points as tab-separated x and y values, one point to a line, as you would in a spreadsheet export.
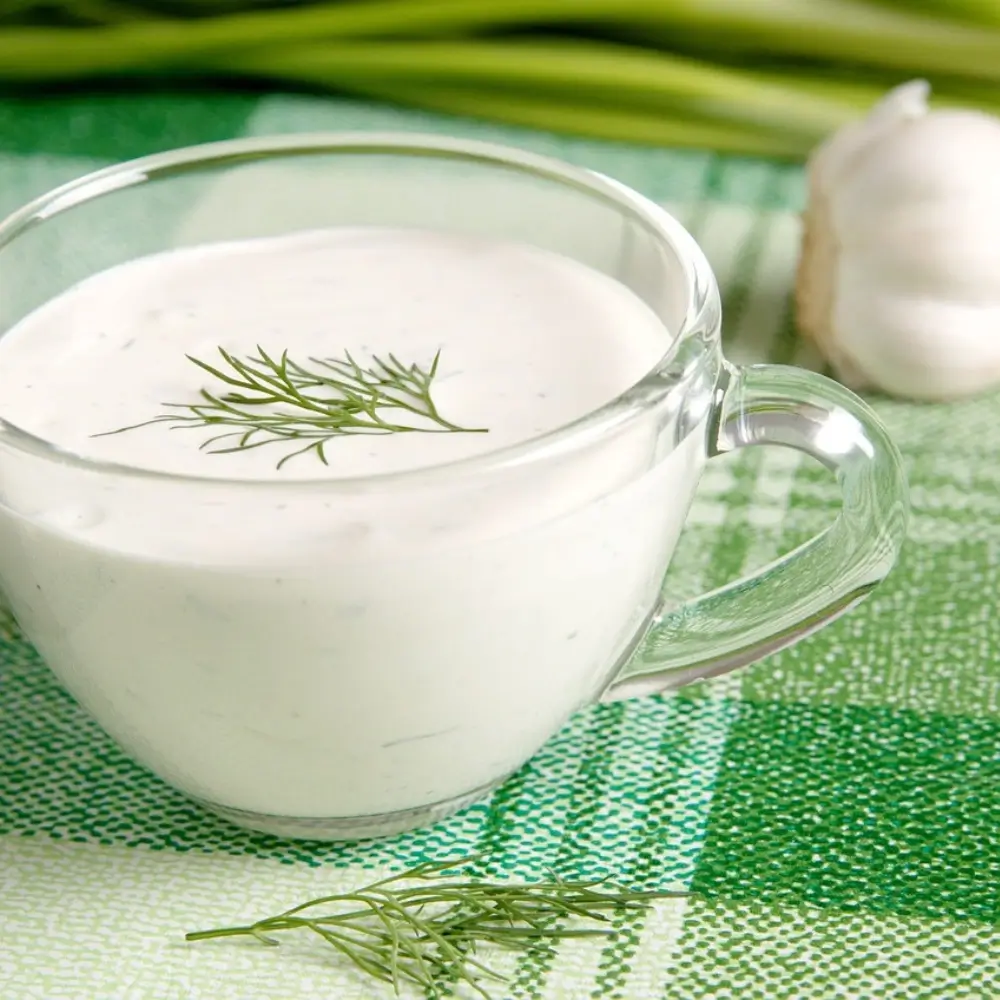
760	77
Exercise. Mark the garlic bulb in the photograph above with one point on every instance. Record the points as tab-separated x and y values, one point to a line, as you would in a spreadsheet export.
899	275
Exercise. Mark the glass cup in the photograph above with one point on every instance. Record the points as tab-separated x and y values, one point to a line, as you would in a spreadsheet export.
382	671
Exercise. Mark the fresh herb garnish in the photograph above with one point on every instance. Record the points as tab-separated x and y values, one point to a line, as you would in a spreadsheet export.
424	928
277	400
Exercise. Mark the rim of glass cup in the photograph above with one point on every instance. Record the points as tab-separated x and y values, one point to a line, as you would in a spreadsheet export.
701	290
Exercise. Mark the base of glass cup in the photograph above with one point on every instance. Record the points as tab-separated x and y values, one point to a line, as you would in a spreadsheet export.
347	827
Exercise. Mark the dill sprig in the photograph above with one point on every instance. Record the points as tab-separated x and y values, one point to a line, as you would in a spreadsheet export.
424	928
274	400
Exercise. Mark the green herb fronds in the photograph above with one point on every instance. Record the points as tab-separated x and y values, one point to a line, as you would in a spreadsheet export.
424	928
305	406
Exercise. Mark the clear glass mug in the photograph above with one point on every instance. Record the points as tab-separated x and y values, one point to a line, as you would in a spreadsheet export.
380	673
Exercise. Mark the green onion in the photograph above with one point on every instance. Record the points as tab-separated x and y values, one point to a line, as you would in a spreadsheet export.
983	11
763	77
597	121
572	68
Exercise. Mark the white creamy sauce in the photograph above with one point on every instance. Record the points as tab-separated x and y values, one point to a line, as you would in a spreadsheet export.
529	341
328	649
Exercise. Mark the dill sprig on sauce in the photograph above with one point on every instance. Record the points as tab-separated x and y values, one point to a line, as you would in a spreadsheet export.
305	406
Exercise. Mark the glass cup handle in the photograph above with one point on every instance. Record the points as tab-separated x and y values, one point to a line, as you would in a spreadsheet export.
815	583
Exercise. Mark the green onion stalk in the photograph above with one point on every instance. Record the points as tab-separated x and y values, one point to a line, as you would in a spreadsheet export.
767	78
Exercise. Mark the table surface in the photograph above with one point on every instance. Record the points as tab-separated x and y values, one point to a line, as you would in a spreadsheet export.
835	809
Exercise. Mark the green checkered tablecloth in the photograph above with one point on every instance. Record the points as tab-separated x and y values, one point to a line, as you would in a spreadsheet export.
835	809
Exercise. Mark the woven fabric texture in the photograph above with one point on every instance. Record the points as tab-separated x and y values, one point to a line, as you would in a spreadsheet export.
835	809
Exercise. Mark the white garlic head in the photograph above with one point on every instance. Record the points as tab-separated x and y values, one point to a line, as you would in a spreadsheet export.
899	275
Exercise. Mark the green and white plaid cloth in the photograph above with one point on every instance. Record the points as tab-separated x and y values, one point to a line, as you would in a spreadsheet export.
835	810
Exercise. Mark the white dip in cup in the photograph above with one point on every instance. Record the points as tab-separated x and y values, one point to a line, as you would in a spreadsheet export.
344	657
